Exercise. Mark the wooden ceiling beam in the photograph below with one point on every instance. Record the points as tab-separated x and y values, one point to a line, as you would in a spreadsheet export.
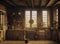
26	1
32	3
40	3
54	3
35	7
12	2
47	2
4	2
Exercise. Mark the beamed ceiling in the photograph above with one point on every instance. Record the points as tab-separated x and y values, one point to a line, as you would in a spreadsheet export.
33	3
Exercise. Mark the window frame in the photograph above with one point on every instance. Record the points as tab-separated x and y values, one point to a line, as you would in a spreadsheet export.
30	16
46	22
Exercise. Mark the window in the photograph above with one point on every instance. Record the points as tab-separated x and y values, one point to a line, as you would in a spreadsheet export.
28	16
3	19
57	15
34	17
44	15
56	18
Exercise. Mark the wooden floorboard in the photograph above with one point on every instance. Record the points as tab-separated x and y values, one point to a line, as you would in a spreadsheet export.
29	42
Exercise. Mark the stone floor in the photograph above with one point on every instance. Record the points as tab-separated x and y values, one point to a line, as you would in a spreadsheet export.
30	42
